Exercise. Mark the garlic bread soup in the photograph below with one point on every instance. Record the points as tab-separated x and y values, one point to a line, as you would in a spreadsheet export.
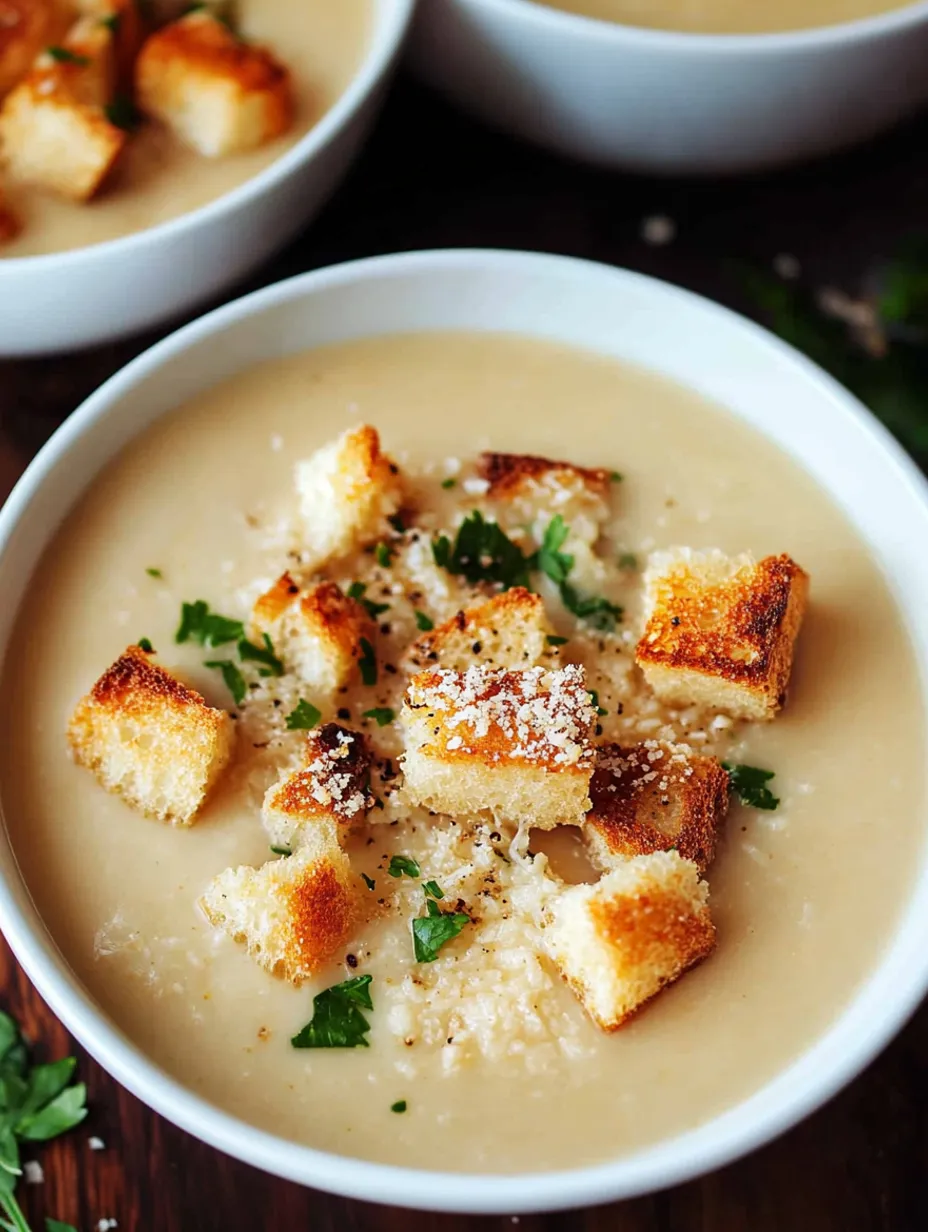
442	719
116	115
727	16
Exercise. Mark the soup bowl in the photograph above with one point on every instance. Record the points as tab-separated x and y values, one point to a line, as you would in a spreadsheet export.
610	312
68	300
672	103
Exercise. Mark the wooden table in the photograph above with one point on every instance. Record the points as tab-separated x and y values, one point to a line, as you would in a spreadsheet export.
432	179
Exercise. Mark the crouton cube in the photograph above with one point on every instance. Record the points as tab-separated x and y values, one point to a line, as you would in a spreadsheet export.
26	26
510	630
619	942
720	632
293	913
529	488
329	792
84	66
514	744
347	491
150	739
317	632
9	224
654	797
218	93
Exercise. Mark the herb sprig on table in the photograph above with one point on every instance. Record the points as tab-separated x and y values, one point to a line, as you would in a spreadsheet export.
37	1102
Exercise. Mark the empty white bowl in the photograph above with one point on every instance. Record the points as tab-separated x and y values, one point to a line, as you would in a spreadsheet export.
658	101
608	311
68	300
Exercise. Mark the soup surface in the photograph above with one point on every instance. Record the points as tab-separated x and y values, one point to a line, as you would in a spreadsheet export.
158	178
727	16
804	897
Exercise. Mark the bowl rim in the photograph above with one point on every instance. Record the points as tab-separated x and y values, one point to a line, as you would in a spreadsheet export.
390	20
863	1026
559	23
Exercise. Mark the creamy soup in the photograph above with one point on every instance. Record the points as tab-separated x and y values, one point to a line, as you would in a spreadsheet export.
497	1062
727	16
157	178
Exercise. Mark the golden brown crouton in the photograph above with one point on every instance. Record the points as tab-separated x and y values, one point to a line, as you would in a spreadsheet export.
720	632
26	26
317	632
510	630
529	488
293	913
515	744
330	791
619	942
347	491
219	94
150	739
654	797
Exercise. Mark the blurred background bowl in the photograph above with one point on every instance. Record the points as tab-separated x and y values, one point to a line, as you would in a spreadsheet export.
673	103
68	300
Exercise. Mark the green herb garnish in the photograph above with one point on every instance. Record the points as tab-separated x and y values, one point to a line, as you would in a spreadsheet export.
627	560
155	573
382	715
112	22
403	866
54	1225
384	555
123	113
367	663
234	680
303	717
616	477
399	1106
250	653
553	640
601	613
749	784
282	851
423	622
554	563
430	932
396	521
199	624
337	1021
448	483
63	56
368	881
483	552
356	591
433	889
144	644
594	700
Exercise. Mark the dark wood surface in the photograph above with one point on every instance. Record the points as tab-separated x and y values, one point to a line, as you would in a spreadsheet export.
428	179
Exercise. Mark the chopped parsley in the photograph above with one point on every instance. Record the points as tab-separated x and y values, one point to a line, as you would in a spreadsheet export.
403	866
483	552
356	591
155	573
337	1021
423	622
430	932
112	22
448	483
399	1106
601	613
368	881
303	717
199	624
382	715
384	555
749	784
433	889
594	699
554	563
63	56
627	560
234	680
282	851
250	653
396	521
553	640
123	113
616	477
367	663
144	644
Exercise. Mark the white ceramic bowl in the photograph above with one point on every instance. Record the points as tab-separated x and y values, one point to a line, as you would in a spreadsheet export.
65	301
659	101
615	313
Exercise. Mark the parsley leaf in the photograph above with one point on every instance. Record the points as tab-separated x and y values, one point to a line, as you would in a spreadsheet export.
551	560
250	653
55	1225
423	622
368	881
382	714
384	555
282	851
337	1022
234	680
123	113
63	56
356	591
555	564
403	866
616	477
553	640
433	889
112	22
303	717
483	552
748	783
399	1106
430	932
144	644
367	663
155	573
199	624
63	1112
594	700
448	483
601	613
396	521
627	560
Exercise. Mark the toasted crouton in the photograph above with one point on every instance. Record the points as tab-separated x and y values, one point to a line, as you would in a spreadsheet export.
219	94
510	630
720	631
653	797
527	487
318	632
292	913
150	739
515	744
329	792
619	942
9	223
26	26
347	491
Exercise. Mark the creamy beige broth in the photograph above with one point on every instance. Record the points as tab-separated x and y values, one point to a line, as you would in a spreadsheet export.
158	178
727	16
805	898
